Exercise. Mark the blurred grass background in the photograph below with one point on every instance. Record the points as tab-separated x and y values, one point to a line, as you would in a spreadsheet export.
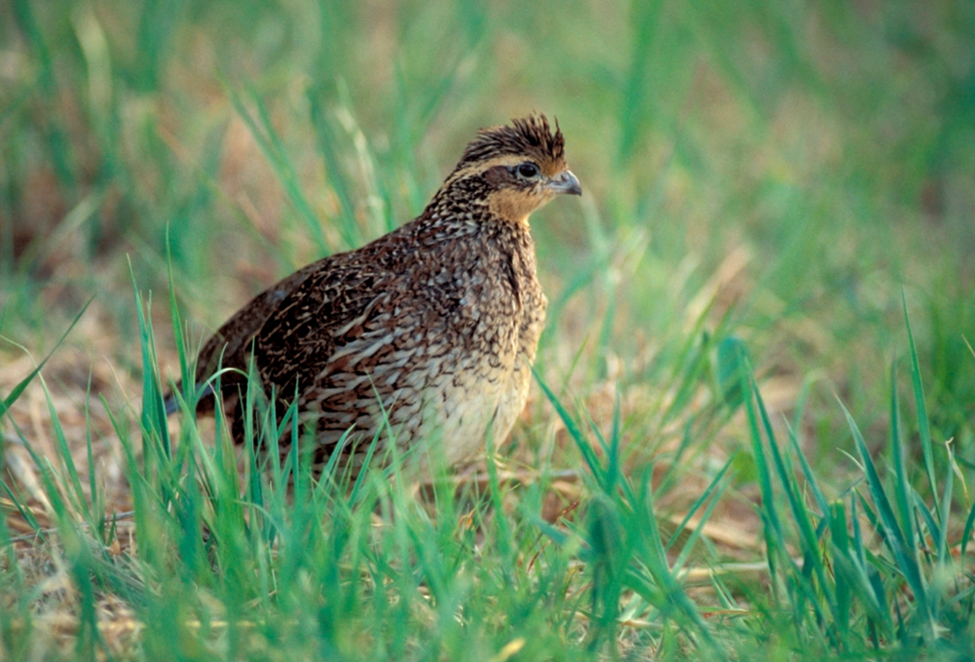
774	174
808	160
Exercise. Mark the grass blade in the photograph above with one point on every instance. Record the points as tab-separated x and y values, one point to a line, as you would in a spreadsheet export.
17	390
587	452
923	422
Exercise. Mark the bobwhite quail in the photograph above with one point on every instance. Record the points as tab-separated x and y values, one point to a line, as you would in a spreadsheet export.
433	326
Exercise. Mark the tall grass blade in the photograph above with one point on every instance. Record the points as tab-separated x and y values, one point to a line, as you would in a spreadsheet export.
947	493
923	422
186	367
774	540
588	455
705	516
18	390
902	486
66	459
811	481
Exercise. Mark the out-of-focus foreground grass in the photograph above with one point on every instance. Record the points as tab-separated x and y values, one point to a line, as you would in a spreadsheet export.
761	175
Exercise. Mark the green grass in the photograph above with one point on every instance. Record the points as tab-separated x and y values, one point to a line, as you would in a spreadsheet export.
293	566
761	317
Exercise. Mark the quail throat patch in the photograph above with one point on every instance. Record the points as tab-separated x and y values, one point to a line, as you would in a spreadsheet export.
515	205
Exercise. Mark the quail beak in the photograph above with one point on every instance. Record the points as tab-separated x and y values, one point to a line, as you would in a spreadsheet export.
565	183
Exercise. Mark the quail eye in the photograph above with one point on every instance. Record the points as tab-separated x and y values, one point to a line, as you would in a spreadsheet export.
528	170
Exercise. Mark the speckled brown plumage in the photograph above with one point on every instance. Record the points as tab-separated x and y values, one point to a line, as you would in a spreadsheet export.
436	323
